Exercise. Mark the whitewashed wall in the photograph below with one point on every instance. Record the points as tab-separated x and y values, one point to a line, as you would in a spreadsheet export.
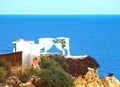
35	50
29	48
25	47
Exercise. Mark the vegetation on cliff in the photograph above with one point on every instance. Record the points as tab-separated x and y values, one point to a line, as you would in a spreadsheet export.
56	71
74	66
5	68
54	75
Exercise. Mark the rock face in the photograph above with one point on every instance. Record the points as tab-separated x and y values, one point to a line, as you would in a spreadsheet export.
35	62
85	71
110	81
91	79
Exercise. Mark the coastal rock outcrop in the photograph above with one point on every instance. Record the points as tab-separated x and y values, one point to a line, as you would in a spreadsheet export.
110	81
92	79
83	70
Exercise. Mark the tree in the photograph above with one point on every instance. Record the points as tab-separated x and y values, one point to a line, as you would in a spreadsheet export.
62	42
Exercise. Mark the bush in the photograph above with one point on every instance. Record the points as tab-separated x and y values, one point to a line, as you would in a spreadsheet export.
60	60
45	64
54	75
3	74
6	65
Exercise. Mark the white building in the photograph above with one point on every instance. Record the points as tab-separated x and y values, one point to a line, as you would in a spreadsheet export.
25	47
29	48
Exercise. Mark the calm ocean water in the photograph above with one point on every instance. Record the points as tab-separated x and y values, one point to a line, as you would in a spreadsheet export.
97	36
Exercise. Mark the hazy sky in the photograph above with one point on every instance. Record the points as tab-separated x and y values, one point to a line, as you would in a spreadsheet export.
59	6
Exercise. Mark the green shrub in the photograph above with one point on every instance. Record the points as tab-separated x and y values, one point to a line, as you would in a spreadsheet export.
57	58
3	74
6	65
54	75
61	60
45	64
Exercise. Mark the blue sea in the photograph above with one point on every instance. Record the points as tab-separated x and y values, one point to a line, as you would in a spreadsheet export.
94	35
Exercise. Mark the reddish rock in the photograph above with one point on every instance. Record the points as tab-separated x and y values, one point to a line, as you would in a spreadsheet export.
79	66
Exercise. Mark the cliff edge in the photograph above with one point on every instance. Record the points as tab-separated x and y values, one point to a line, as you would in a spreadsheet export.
84	70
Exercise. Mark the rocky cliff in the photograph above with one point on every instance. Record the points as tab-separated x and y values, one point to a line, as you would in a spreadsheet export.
85	72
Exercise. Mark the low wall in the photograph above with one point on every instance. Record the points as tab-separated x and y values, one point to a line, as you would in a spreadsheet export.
14	58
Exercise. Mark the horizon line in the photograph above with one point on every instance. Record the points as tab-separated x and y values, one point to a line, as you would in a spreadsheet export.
54	14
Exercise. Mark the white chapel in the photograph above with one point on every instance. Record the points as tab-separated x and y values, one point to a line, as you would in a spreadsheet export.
29	48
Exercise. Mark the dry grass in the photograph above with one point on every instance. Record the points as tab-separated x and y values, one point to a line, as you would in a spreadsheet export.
15	69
